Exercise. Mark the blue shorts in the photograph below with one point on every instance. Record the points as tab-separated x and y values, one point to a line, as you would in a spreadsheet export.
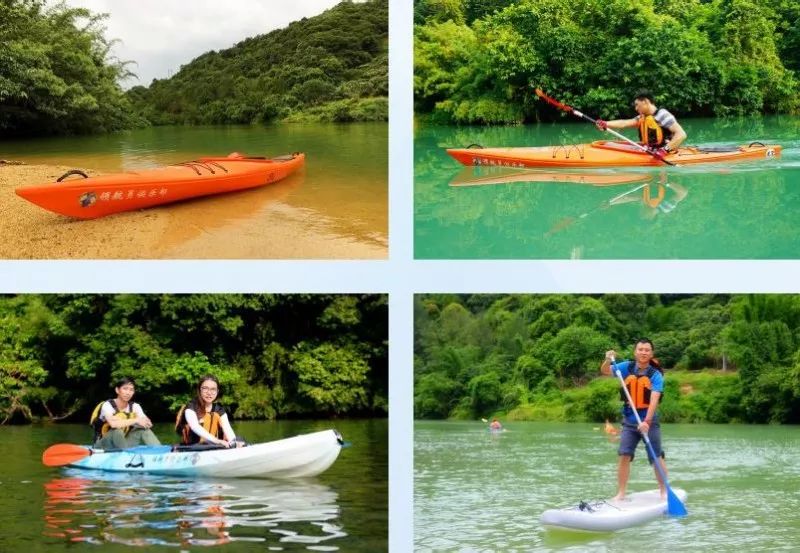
629	440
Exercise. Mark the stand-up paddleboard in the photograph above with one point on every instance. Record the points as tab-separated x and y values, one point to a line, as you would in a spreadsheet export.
609	516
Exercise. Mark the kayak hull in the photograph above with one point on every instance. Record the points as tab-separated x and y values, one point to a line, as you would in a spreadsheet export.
300	456
610	516
604	153
93	197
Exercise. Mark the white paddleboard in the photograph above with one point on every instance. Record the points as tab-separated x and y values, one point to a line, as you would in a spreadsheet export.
608	516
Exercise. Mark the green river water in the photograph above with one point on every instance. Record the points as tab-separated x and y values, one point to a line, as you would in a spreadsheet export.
746	210
345	180
475	491
58	509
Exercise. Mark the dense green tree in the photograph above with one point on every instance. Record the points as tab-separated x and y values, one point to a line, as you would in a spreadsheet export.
538	355
275	355
723	57
56	72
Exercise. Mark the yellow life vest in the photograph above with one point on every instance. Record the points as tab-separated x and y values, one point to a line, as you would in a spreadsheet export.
210	422
650	132
101	427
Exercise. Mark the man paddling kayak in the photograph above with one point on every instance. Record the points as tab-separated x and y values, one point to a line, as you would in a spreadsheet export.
202	421
645	382
119	423
658	128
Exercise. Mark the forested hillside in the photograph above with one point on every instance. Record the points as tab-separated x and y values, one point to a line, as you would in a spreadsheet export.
727	358
332	67
475	60
56	72
276	356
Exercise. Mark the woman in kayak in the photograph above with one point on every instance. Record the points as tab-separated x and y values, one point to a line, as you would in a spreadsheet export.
658	128
202	421
495	426
645	382
119	423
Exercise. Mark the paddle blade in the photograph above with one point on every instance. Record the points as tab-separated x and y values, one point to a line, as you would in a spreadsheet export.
552	101
64	454
675	506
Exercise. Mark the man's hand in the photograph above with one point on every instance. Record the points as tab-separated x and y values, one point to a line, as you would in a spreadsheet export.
644	428
602	125
660	153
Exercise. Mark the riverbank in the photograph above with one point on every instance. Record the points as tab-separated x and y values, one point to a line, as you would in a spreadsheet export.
707	396
254	224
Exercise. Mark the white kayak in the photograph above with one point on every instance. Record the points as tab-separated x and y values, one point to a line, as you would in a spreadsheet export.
299	456
608	516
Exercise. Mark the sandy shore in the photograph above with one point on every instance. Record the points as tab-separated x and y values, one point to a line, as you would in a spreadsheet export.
255	224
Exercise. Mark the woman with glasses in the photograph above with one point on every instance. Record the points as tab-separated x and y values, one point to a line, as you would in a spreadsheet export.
202	421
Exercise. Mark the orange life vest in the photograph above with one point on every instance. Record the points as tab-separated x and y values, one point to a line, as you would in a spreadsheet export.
640	386
210	422
651	133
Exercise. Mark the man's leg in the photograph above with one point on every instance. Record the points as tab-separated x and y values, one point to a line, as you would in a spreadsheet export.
628	441
114	439
139	436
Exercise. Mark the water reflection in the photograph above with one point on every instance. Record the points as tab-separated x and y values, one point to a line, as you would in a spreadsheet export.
146	510
482	175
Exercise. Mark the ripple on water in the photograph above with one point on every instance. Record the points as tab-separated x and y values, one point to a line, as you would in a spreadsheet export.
147	510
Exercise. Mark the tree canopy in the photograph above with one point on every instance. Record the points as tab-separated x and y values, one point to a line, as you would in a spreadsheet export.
56	73
332	67
276	356
480	354
476	62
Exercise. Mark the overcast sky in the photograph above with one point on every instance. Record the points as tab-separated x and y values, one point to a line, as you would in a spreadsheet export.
162	35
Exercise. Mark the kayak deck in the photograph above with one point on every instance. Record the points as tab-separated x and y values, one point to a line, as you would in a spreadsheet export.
609	516
93	197
605	153
300	456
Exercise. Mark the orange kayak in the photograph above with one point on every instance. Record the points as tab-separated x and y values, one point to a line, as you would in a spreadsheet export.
92	197
605	153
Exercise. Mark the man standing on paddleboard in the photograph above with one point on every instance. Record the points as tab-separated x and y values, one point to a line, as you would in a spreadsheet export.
658	129
645	383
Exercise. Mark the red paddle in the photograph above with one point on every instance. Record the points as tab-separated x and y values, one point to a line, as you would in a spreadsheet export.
64	454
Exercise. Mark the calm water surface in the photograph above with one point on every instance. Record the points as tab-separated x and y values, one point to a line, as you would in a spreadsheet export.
345	178
748	210
343	509
474	491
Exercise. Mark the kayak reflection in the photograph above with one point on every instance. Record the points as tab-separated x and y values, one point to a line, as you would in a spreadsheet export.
146	510
478	176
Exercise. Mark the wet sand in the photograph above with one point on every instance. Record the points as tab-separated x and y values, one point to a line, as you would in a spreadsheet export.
254	224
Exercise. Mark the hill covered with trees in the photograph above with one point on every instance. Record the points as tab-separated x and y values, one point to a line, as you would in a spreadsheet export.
331	67
537	357
276	356
56	72
475	60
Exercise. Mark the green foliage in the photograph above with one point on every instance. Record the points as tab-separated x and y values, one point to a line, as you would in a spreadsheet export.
274	355
56	75
476	63
537	356
331	67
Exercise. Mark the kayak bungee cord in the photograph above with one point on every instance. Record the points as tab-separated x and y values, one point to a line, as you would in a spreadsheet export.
569	109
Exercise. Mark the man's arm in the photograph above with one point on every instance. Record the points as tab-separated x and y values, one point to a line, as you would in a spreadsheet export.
678	136
605	367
